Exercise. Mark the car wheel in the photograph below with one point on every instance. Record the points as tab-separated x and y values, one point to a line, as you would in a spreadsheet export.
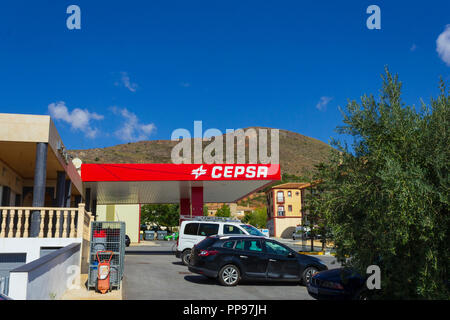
186	256
229	275
307	274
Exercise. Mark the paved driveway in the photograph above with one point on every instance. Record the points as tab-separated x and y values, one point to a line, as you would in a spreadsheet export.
153	272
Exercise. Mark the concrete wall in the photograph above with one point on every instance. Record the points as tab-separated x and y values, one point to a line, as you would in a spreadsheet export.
128	213
24	127
46	278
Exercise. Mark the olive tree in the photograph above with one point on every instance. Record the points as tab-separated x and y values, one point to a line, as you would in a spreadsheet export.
386	196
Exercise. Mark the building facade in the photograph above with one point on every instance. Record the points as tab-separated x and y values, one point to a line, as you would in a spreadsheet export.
285	208
236	211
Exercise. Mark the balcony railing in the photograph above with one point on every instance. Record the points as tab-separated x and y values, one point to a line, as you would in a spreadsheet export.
55	222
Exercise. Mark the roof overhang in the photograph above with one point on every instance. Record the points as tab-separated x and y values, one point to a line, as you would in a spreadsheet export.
19	134
168	183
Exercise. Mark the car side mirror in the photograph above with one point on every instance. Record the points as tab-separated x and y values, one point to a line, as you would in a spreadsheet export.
291	255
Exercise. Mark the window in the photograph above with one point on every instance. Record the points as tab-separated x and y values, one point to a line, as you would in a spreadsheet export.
297	193
208	229
280	196
10	261
5	200
13	258
275	248
229	229
280	211
289	194
191	228
206	243
290	208
47	250
249	245
252	230
228	244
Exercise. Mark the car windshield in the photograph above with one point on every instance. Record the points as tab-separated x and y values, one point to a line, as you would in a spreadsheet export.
252	230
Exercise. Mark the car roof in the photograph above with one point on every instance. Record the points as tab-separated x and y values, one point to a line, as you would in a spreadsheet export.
237	237
212	221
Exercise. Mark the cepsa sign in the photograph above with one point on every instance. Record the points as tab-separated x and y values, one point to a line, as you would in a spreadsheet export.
178	172
232	171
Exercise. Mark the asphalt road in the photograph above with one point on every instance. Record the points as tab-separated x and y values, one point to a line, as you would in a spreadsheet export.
154	273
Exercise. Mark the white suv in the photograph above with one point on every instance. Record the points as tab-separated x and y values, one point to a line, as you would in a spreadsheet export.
193	231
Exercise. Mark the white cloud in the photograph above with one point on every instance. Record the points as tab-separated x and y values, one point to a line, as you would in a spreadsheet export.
78	119
443	45
413	47
131	128
126	82
323	102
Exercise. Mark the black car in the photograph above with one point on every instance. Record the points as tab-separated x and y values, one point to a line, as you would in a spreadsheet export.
341	283
127	240
233	258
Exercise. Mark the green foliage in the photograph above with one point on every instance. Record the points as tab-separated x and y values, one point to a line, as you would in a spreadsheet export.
205	210
387	199
166	215
223	211
257	218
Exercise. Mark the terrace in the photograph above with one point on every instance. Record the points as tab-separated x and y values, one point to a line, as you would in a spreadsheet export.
61	231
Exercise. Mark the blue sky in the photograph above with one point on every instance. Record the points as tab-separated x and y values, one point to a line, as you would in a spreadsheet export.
140	69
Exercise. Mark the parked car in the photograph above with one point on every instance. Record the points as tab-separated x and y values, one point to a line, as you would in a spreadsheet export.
301	235
297	235
192	232
231	259
173	236
127	240
341	283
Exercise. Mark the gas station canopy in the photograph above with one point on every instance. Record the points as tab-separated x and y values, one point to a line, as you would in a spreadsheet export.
170	183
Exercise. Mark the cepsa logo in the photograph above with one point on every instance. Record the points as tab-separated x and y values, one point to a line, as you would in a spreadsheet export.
218	172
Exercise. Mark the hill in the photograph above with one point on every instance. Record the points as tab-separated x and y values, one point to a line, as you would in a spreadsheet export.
298	153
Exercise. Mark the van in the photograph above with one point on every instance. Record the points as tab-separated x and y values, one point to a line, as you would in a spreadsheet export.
196	229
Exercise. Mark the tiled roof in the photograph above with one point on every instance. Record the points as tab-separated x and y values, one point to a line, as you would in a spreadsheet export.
292	185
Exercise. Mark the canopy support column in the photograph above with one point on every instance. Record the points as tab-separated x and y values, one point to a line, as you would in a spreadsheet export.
197	201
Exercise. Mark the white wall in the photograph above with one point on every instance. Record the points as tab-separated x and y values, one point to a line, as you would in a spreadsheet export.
48	280
32	246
